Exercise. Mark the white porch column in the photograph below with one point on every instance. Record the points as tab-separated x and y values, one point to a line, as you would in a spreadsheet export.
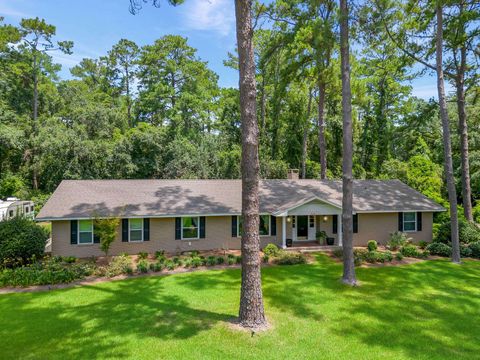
284	232
340	230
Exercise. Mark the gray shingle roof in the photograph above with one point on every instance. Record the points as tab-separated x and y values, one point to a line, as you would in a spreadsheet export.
150	198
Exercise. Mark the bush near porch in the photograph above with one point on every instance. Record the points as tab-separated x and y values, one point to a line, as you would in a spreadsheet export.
427	310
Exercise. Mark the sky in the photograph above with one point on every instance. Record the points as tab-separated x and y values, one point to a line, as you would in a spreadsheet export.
96	25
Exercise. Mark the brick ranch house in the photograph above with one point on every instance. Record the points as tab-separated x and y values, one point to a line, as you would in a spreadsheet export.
182	215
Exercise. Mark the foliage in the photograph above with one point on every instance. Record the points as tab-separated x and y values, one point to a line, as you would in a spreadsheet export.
142	255
372	245
412	251
290	258
397	240
20	240
265	258
475	248
399	256
220	260
142	266
440	249
271	250
467	231
118	265
106	230
48	271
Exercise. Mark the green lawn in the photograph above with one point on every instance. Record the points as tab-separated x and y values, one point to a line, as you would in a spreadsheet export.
423	311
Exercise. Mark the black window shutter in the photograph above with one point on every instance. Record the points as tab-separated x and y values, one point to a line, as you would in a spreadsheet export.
273	226
419	221
146	229
400	221
178	228
73	231
125	230
234	226
355	223
96	238
334	224
202	227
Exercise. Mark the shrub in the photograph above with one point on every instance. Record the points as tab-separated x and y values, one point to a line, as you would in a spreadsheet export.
422	244
290	258
465	250
231	260
156	267
159	254
194	253
475	248
372	245
377	256
176	260
409	251
142	255
230	256
220	260
20	240
266	258
170	265
196	262
440	249
399	256
338	253
467	231
142	266
46	272
118	265
70	259
271	250
397	240
211	260
238	259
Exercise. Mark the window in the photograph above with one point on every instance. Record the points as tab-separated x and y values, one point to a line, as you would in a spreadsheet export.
190	227
31	208
311	220
10	213
85	232
27	210
294	219
263	229
135	230
410	221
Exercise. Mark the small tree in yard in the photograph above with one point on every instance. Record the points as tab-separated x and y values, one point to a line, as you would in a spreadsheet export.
106	230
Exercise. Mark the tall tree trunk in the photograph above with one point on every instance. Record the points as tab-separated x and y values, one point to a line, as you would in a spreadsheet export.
305	135
347	185
322	145
463	130
251	314
263	106
35	117
447	147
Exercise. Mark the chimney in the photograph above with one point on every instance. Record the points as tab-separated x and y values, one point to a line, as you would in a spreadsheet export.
292	174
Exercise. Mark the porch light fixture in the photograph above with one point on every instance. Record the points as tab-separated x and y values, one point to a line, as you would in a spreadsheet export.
325	218
289	219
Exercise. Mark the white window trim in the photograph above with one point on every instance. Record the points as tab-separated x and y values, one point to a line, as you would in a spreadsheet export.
198	228
310	218
78	233
269	225
410	221
129	237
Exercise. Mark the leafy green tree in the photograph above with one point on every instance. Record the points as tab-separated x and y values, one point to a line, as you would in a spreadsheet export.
106	230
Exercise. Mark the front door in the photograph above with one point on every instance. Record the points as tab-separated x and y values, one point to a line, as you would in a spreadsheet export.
302	227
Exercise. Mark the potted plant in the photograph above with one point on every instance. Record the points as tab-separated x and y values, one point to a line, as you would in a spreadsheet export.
321	237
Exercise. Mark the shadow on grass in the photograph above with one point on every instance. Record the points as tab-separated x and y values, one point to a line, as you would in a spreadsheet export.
427	310
93	328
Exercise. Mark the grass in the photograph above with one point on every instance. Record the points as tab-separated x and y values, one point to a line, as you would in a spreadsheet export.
427	310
